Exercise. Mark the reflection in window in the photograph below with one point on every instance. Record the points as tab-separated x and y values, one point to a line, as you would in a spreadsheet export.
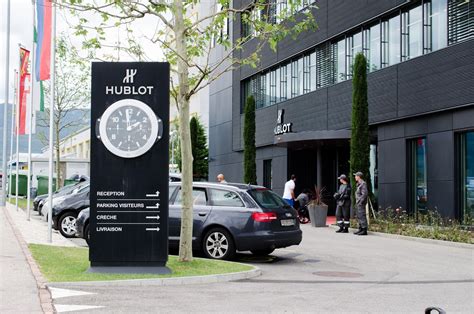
394	32
412	33
418	178
312	71
438	21
374	48
341	61
226	198
199	197
467	175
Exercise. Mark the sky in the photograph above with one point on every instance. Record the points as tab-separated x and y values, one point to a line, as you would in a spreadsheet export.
21	31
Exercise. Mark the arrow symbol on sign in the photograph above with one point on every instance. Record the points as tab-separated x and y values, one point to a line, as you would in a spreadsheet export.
153	217
153	195
153	229
156	206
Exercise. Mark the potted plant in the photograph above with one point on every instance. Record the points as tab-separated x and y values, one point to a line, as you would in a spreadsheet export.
318	210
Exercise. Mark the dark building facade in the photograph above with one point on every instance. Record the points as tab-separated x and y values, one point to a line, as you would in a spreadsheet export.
421	103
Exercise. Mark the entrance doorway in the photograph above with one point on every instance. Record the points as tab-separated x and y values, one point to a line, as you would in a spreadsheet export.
334	160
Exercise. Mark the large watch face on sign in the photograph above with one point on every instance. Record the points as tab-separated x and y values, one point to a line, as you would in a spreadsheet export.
129	128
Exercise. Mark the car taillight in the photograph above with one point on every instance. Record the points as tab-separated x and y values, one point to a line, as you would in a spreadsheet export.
264	217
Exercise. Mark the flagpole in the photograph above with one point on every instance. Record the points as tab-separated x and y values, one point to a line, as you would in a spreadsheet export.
12	133
51	121
28	192
5	110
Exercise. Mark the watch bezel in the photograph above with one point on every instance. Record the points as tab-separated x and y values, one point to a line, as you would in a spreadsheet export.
156	128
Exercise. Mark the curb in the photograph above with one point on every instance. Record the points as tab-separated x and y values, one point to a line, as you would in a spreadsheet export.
415	239
46	301
179	281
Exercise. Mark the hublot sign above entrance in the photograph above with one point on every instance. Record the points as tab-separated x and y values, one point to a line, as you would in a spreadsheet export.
282	127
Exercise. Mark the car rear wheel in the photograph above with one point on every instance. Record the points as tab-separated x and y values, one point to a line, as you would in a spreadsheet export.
67	225
262	252
87	234
218	244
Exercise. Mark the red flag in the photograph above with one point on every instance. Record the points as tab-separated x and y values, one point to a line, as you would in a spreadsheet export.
22	106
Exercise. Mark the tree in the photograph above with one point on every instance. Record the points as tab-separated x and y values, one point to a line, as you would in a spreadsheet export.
72	94
250	151
199	149
187	37
360	137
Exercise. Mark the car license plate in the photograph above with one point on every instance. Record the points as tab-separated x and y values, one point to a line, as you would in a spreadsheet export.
287	222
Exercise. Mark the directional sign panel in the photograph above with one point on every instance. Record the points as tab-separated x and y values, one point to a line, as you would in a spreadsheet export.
129	164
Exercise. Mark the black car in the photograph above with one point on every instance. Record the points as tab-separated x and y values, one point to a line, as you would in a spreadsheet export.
229	218
67	189
67	208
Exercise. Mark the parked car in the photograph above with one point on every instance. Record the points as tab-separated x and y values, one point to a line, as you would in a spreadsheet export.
39	200
66	208
229	218
82	224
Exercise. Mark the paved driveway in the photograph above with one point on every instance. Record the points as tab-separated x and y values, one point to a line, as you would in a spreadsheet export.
327	273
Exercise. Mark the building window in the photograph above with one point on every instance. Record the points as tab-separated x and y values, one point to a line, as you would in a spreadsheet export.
267	173
466	175
373	48
340	48
283	84
417	176
438	16
461	20
312	71
412	33
324	65
394	35
387	41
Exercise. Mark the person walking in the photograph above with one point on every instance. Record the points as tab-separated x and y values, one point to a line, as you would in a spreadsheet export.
343	201
289	193
361	196
221	179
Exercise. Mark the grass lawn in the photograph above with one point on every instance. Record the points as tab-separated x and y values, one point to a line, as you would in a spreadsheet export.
22	202
70	264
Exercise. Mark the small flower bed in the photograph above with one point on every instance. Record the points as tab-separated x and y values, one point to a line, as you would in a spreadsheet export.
428	225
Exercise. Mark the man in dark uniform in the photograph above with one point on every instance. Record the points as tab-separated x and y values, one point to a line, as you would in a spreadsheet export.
361	196
343	209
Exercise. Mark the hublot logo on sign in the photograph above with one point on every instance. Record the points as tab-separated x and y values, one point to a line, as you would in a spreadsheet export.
282	127
129	90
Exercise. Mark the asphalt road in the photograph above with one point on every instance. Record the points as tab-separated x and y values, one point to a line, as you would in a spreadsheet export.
327	273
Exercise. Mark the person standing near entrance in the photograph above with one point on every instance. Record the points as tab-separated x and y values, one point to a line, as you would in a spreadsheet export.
361	196
289	193
343	201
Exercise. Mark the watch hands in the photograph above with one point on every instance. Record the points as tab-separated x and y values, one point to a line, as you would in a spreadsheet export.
127	114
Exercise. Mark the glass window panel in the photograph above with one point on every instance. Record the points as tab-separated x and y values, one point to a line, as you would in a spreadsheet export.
312	71
268	88
439	24
199	197
394	32
415	32
278	85
356	44
341	61
288	79
374	48
420	175
225	199
300	77
294	79
467	174
283	83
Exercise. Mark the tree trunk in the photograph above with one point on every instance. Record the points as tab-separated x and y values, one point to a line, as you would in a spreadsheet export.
186	237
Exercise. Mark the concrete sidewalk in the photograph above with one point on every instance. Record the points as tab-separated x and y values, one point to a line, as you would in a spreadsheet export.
18	288
35	230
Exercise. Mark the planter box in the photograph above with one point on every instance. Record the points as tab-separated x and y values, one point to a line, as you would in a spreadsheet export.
318	215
